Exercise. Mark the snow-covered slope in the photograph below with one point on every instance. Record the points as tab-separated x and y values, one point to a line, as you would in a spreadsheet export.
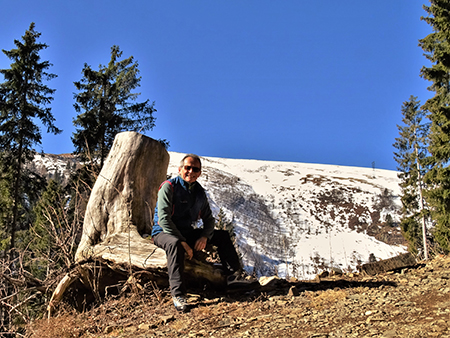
57	167
295	219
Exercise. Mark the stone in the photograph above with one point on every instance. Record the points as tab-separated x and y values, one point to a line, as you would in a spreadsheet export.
293	292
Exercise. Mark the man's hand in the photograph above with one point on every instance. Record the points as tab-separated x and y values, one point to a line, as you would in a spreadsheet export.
188	250
200	244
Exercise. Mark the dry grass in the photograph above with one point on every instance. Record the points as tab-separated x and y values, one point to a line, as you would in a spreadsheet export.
325	298
65	326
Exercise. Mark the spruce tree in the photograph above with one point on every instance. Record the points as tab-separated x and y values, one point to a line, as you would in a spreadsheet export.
411	148
24	100
223	223
5	209
106	106
49	244
437	50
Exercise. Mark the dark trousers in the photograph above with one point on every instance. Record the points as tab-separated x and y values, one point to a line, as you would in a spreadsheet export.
175	255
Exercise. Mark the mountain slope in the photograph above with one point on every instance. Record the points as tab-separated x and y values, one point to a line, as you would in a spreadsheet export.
304	217
294	219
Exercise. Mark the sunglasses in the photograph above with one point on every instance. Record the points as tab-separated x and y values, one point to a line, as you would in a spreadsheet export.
194	169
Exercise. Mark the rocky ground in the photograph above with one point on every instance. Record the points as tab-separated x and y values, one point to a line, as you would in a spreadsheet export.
409	303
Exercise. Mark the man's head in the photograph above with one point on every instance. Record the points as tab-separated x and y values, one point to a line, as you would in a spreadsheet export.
190	168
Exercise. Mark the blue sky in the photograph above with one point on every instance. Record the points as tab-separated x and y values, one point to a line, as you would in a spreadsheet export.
316	82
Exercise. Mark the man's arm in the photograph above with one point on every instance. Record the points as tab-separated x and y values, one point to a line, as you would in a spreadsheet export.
165	209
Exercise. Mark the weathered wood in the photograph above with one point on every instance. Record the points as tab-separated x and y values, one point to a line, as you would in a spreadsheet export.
397	262
120	208
58	294
119	212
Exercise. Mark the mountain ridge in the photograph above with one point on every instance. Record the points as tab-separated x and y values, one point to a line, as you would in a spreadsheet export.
290	218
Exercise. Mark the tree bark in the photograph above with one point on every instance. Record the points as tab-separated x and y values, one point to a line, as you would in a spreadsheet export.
122	202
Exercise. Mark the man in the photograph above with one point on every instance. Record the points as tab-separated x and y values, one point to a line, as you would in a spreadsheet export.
181	203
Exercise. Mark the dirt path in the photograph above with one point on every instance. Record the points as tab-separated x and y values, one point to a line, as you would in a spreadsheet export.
414	302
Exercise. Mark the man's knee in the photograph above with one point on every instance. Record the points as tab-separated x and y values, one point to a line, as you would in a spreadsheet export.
220	237
221	233
167	242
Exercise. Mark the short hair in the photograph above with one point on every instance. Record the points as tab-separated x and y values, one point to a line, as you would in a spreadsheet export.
195	157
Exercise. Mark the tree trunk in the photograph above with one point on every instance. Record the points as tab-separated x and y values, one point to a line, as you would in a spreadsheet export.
121	205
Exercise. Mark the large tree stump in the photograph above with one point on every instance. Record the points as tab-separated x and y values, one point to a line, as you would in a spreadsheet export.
121	205
120	210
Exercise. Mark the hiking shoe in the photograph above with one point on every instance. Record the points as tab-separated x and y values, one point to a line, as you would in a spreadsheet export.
240	279
180	303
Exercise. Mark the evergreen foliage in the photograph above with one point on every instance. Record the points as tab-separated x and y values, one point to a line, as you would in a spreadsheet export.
437	50
411	148
24	99
5	209
223	223
106	106
49	244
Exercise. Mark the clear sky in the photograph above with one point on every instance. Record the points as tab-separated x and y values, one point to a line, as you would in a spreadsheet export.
300	81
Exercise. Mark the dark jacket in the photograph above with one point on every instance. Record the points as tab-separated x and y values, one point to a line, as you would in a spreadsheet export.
179	206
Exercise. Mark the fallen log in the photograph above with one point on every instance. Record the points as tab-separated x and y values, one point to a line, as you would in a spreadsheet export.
397	262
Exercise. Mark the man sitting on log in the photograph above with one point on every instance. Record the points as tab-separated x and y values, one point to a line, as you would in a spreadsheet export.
181	203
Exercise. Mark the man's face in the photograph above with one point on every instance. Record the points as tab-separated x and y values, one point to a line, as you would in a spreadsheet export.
190	171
